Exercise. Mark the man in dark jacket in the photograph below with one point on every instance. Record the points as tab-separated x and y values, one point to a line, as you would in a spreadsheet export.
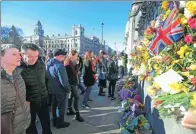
37	87
112	76
71	64
60	87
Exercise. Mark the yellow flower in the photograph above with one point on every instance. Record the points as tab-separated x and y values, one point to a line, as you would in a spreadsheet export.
183	20
156	66
175	61
159	72
193	103
178	87
151	92
187	74
194	96
185	89
193	67
149	78
165	5
191	6
156	85
167	12
164	17
182	51
175	86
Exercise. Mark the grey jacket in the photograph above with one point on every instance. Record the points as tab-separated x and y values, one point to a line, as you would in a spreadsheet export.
8	99
102	68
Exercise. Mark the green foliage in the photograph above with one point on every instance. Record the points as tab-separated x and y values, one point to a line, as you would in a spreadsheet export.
11	35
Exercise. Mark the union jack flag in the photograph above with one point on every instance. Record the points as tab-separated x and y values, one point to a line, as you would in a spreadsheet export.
170	32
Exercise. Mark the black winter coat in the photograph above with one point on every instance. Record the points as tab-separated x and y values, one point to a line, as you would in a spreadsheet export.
36	81
88	76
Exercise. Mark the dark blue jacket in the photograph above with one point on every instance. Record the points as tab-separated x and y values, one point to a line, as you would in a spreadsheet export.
58	77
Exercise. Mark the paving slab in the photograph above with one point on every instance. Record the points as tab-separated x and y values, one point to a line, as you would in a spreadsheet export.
101	118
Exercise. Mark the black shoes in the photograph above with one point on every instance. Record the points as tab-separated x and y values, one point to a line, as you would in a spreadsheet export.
70	112
113	98
101	94
78	117
89	100
60	125
63	125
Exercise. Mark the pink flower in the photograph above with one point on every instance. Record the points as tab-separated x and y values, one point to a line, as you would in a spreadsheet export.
192	23
188	38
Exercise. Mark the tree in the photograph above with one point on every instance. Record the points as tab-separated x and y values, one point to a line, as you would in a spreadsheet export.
5	34
38	31
11	35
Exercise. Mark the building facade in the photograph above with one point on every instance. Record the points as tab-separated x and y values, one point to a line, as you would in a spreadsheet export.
76	40
141	14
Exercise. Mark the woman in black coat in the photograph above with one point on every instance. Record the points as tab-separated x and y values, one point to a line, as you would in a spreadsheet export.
89	77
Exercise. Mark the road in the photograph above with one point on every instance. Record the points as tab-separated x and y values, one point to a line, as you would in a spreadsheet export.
101	118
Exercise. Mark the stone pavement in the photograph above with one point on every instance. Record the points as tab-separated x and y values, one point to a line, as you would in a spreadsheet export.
101	118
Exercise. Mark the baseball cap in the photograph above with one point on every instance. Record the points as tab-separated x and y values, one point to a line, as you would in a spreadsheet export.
58	52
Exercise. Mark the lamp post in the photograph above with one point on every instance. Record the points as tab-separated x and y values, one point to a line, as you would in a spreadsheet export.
102	31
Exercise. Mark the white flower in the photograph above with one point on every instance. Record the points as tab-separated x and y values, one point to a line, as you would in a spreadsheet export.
187	14
182	4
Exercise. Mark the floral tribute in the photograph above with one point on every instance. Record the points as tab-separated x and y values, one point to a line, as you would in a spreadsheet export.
132	119
179	56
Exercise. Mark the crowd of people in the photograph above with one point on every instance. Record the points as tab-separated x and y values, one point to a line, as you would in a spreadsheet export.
32	84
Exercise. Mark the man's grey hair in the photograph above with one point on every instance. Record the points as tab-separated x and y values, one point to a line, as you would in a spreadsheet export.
5	47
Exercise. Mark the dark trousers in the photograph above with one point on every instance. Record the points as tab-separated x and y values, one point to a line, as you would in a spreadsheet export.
111	88
50	101
81	87
121	71
40	109
58	101
75	95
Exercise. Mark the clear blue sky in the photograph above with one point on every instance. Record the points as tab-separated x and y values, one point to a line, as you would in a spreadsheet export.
58	17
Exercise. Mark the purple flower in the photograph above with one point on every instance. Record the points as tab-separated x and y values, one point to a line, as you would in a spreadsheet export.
124	94
137	98
171	5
